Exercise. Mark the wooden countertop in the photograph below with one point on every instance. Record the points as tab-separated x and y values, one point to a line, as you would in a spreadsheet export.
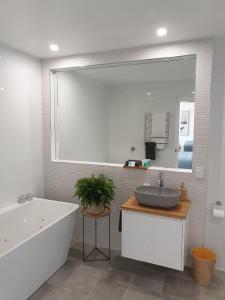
178	212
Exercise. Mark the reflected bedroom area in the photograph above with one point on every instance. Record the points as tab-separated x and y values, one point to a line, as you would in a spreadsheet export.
138	110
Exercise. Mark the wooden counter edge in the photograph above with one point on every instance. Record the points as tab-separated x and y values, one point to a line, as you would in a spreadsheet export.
157	211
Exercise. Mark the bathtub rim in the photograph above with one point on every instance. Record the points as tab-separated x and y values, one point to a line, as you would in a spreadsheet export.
18	205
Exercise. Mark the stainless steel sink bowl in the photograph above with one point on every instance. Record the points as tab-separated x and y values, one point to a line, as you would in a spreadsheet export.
157	196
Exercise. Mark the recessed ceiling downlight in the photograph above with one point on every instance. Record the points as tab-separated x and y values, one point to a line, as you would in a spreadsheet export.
162	31
54	47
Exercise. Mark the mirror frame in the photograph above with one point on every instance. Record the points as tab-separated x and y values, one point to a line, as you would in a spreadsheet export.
202	50
54	144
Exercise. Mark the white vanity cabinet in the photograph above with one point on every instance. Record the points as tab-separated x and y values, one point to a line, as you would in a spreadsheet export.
154	239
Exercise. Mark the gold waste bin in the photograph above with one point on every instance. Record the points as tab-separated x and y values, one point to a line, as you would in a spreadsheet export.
203	262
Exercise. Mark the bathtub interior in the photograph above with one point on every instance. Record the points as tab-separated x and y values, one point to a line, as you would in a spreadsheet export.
26	220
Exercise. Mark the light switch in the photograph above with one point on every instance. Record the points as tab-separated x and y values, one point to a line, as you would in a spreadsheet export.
199	172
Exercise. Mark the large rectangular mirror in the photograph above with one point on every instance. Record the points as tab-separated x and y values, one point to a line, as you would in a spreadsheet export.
137	110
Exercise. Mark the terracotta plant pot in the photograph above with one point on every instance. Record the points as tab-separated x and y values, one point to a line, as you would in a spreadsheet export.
95	211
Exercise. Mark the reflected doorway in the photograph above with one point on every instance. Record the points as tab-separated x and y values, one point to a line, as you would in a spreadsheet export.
185	133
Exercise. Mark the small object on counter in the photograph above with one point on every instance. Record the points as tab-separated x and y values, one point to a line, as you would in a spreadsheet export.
133	163
183	192
146	163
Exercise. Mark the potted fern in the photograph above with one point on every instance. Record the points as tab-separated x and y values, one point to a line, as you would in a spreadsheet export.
95	193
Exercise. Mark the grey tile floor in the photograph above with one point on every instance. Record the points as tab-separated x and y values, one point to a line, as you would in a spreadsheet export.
125	279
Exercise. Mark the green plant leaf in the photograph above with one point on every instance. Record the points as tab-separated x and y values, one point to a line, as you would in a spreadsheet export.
94	190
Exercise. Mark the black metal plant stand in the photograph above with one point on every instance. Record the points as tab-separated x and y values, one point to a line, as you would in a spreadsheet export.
96	249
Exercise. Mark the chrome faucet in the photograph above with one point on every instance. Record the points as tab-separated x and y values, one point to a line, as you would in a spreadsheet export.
161	179
24	198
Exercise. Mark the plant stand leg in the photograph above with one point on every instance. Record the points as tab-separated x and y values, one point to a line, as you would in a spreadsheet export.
96	232
109	238
96	249
83	242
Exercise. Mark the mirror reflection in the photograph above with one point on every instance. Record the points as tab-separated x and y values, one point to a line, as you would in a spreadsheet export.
113	113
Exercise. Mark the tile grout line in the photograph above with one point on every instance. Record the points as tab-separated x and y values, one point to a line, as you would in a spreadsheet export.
164	282
129	285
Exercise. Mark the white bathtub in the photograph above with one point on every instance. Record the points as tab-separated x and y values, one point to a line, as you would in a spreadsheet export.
34	242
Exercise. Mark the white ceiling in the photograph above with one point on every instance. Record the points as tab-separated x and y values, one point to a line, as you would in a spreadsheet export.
179	69
82	26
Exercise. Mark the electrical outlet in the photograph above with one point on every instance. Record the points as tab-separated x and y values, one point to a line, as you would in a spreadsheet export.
199	172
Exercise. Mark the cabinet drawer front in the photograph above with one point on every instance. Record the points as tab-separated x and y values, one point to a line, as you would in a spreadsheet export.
153	239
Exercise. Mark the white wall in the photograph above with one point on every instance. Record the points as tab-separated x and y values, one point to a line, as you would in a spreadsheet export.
127	106
81	118
60	177
20	126
215	229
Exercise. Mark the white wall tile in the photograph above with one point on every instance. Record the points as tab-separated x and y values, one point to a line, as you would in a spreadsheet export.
21	162
60	177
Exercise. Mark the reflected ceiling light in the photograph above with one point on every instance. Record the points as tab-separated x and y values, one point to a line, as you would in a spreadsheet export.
193	92
54	47
162	31
2	89
148	93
